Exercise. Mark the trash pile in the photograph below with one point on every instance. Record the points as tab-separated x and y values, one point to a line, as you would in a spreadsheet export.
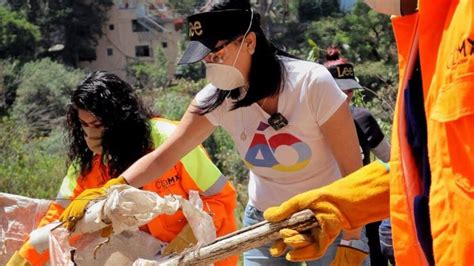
127	208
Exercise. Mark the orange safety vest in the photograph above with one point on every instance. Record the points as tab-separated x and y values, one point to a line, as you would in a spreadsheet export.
442	31
195	171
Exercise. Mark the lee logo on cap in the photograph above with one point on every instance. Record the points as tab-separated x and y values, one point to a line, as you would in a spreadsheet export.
342	71
345	71
195	28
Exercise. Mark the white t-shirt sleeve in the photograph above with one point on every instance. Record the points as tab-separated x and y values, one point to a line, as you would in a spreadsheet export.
215	116
324	96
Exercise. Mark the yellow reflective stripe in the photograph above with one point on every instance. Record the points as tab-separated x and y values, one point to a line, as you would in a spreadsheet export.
161	129
68	185
196	163
201	169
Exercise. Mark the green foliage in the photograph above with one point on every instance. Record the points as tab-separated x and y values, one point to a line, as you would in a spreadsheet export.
314	52
172	102
311	10
185	7
150	75
362	33
75	24
32	167
18	37
9	72
43	95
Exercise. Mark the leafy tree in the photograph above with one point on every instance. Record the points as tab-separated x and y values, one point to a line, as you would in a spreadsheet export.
311	10
18	37
9	72
362	33
75	24
43	95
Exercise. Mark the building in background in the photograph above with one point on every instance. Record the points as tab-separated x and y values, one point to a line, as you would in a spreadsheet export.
134	32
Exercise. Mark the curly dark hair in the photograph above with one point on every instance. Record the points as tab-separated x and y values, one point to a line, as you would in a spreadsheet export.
127	133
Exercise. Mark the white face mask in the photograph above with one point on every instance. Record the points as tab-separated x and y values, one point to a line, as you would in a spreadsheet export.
393	7
227	77
224	77
93	137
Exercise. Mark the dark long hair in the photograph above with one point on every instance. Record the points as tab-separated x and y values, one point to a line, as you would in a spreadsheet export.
267	72
127	132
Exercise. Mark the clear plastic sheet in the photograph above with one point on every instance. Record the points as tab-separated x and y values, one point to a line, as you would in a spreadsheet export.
126	207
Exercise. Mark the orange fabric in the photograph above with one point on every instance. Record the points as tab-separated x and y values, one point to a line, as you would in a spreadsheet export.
32	256
164	227
402	191
446	47
221	206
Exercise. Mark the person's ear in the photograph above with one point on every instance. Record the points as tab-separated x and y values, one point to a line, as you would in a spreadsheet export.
251	42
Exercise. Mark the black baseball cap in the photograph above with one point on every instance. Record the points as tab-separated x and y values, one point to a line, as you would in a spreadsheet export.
344	76
207	28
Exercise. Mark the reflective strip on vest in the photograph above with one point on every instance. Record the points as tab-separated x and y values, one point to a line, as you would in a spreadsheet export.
197	164
67	187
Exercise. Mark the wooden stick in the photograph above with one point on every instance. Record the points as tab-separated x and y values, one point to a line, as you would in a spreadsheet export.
242	240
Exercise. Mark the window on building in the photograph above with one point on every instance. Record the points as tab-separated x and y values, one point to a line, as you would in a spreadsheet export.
142	50
111	27
164	44
137	27
110	51
87	54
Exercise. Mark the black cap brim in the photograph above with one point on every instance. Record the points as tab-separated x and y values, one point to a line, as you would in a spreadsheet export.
207	28
195	52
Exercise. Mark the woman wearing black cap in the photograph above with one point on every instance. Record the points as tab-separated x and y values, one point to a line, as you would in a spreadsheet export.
287	117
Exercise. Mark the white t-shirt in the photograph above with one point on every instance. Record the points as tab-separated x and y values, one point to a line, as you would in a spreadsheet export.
295	158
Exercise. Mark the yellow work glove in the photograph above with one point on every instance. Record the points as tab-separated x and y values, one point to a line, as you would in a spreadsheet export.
18	260
360	198
183	240
349	255
77	207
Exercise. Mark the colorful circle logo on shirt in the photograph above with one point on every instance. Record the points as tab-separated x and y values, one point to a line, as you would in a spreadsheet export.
281	152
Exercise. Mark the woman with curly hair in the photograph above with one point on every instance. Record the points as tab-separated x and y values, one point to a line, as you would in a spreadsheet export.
109	129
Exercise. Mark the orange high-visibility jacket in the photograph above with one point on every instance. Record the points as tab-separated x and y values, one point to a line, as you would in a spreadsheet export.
195	171
445	34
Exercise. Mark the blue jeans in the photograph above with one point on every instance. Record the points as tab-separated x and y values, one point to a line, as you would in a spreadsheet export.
385	235
261	255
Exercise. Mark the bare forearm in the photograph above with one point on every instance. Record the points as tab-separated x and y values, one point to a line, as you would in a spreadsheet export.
191	132
151	166
340	133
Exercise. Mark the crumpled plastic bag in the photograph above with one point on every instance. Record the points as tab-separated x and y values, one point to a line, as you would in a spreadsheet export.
18	217
127	208
200	223
90	249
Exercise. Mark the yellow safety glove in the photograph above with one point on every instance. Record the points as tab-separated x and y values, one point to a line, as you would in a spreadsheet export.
18	260
360	198
77	207
348	254
183	240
